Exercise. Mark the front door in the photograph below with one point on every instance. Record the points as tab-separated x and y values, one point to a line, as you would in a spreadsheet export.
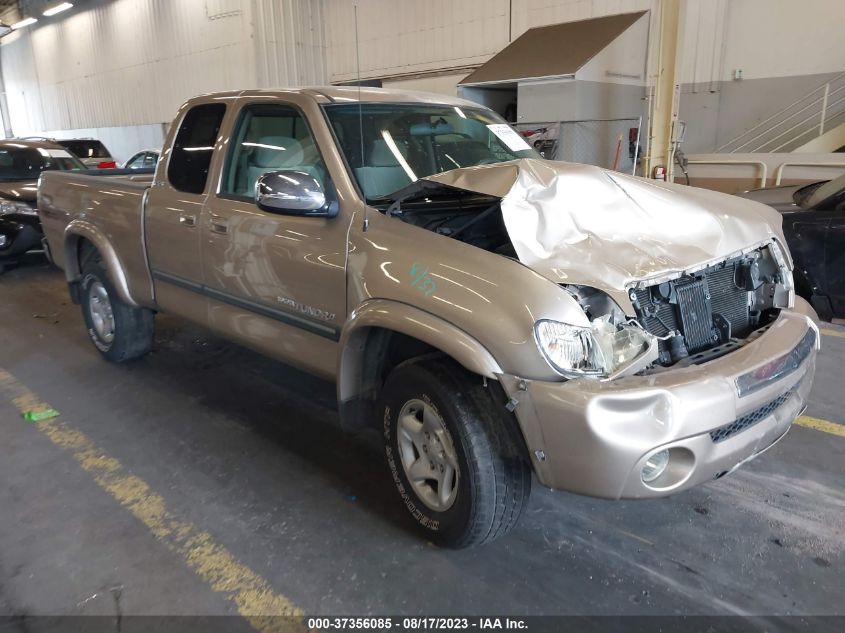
174	212
275	282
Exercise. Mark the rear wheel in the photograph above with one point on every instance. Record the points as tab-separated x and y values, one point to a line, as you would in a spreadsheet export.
119	331
455	456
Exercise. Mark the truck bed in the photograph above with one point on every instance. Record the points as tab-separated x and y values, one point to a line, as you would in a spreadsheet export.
106	199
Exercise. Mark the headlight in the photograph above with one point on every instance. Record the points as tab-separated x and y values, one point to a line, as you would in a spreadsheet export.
8	207
598	350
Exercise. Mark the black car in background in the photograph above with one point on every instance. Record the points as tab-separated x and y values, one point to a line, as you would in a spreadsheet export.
814	224
21	163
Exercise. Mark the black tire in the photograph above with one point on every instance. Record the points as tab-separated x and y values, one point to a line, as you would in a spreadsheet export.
133	327
495	478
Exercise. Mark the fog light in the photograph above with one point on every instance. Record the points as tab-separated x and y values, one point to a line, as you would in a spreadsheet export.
3	241
655	465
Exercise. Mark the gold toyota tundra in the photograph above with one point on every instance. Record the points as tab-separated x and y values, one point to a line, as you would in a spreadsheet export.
489	312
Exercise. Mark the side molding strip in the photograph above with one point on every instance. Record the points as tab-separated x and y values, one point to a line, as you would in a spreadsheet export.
303	323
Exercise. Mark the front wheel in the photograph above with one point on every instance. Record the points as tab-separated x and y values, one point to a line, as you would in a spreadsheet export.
118	330
455	455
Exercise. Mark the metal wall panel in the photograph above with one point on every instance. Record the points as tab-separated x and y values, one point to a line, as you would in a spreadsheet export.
398	37
289	42
133	62
530	13
703	44
407	37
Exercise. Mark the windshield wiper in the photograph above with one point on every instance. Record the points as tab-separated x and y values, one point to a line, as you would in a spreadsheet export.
476	219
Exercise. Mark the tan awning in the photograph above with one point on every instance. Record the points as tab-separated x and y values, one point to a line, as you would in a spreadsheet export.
552	51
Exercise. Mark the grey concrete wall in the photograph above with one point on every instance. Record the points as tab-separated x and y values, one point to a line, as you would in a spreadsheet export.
716	113
596	106
579	100
547	101
601	100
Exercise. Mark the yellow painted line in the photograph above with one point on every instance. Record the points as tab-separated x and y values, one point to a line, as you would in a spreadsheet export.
213	563
832	333
821	425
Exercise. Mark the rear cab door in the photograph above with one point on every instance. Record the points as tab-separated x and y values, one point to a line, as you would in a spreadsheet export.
277	282
175	202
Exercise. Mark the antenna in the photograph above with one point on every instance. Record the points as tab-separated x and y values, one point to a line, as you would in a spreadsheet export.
360	111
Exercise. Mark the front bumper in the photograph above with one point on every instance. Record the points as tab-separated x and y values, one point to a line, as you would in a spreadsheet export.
17	237
593	437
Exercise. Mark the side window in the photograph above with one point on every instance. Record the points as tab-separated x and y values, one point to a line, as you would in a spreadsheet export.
136	162
150	160
193	147
269	138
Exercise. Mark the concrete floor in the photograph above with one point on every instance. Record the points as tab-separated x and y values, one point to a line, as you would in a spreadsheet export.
248	451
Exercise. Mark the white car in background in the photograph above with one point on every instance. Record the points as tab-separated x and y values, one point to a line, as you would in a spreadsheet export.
145	159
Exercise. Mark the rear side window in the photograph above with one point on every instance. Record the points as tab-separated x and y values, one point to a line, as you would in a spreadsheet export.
194	145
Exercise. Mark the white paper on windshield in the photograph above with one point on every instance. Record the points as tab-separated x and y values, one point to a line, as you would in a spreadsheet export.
509	137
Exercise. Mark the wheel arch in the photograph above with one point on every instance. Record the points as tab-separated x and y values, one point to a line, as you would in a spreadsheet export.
79	233
380	335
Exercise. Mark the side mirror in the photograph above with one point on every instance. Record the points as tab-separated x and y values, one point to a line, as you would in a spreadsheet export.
292	193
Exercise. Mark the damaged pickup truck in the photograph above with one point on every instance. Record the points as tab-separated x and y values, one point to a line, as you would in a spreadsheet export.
489	313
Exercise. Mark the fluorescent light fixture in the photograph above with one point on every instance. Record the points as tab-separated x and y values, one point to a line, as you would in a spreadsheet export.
23	23
64	6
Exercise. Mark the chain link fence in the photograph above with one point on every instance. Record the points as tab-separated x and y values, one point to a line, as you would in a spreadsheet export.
609	143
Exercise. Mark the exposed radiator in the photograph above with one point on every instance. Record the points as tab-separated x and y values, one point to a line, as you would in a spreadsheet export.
696	315
707	308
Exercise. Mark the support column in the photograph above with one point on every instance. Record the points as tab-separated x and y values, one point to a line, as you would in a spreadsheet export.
666	91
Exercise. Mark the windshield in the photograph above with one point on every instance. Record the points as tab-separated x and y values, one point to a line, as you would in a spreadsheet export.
826	196
393	144
801	196
27	163
86	149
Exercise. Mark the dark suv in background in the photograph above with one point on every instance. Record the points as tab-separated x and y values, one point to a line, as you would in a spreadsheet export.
21	164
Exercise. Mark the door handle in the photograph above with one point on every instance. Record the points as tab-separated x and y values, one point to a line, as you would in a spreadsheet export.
188	220
219	224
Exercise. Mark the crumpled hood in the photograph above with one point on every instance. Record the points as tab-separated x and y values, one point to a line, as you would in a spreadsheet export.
581	224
